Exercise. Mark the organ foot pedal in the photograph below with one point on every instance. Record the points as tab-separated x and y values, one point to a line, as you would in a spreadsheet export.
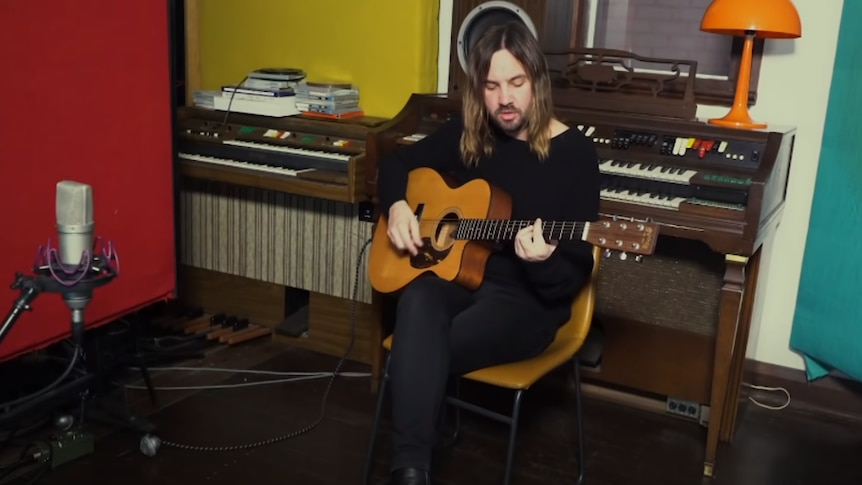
196	328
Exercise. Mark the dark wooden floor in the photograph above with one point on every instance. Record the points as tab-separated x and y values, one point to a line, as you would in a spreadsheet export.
625	446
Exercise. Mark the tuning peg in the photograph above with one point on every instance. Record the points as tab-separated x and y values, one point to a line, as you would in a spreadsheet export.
607	253
638	258
623	256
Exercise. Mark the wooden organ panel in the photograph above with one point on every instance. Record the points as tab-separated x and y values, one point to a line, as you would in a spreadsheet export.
272	236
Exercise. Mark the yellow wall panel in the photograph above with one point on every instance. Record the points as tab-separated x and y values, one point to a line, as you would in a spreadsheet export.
387	48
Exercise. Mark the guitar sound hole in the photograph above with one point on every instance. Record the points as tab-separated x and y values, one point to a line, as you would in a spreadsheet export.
444	231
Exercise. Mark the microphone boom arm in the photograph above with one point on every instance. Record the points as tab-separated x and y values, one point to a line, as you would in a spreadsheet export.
30	289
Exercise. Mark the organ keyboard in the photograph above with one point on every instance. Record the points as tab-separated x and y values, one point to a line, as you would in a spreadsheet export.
309	157
677	323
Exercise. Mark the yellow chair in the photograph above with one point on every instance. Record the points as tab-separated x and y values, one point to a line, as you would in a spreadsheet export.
520	376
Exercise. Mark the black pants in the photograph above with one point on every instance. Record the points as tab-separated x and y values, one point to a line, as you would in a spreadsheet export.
443	329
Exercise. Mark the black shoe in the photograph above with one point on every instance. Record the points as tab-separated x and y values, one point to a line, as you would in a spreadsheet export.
408	476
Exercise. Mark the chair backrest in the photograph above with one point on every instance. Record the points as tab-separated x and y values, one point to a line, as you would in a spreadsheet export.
573	333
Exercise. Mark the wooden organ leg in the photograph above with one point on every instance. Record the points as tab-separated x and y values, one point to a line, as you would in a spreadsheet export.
729	312
733	403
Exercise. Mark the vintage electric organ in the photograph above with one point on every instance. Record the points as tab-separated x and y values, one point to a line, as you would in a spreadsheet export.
271	226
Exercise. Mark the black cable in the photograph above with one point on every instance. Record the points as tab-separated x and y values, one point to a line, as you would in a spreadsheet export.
24	459
323	403
230	101
20	429
74	385
72	361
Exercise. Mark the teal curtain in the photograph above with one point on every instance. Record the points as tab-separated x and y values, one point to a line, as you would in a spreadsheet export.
827	327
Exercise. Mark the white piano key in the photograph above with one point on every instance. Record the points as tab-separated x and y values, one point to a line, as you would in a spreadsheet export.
415	137
645	199
643	171
244	165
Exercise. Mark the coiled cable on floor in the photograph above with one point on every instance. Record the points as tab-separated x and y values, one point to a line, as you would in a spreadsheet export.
150	444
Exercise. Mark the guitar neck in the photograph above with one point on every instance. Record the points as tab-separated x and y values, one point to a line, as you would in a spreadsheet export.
507	229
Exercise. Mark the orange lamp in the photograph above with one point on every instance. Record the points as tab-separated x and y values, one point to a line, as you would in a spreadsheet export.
776	19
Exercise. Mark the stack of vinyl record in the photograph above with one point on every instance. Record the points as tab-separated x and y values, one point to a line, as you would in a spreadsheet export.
328	100
266	92
274	78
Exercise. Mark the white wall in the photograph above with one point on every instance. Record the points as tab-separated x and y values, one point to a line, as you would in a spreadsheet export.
795	77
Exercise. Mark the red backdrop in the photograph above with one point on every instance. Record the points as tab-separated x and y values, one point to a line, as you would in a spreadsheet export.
86	96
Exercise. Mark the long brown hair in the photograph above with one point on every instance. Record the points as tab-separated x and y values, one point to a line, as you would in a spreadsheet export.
519	41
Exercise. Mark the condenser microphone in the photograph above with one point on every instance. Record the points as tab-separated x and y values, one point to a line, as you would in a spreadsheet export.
74	222
75	244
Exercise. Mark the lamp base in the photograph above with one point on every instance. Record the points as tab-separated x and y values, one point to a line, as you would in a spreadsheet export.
738	116
743	123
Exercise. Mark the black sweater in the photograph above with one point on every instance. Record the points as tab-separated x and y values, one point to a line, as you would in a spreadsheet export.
564	186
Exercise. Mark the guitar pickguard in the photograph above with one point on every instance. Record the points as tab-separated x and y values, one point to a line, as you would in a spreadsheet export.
428	256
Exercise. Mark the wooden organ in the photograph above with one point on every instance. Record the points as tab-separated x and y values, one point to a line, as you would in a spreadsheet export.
271	226
676	323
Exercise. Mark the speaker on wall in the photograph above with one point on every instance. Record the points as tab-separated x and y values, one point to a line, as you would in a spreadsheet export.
553	22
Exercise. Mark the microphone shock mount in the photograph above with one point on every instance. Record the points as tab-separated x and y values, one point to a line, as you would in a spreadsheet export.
75	283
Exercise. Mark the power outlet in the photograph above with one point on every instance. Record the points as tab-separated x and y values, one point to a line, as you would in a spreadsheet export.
366	211
680	407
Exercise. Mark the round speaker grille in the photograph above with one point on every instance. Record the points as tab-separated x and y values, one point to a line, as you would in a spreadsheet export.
483	17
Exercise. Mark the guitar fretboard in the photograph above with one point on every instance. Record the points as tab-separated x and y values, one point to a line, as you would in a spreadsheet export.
502	230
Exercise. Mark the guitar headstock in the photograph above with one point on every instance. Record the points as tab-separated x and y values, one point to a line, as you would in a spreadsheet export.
624	235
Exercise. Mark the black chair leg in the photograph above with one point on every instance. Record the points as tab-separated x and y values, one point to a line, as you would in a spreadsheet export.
381	395
456	385
579	417
513	434
145	373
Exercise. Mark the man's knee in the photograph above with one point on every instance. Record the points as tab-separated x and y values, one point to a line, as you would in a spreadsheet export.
421	295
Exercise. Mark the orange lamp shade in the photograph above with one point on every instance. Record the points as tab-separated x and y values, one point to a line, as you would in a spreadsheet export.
776	19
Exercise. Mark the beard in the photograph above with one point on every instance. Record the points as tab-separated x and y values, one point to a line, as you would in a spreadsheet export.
513	126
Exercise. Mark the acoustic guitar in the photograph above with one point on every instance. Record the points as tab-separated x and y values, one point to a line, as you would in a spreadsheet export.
461	225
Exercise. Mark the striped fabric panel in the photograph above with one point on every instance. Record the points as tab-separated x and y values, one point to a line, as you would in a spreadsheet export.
280	238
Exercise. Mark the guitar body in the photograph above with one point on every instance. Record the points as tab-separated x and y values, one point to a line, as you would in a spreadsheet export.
438	203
